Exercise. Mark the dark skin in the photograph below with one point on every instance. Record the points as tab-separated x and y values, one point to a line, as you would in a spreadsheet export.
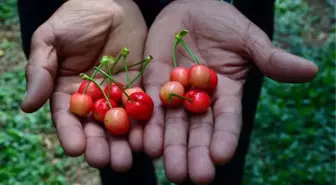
74	39
224	40
71	42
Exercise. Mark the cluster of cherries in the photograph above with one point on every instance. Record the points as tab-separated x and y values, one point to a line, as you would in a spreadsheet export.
112	103
192	86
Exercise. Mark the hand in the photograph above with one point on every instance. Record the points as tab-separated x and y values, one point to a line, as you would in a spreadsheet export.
71	42
225	40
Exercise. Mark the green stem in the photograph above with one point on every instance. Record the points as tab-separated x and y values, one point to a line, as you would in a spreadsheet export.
171	95
116	62
126	69
186	47
102	82
109	84
108	76
135	64
92	76
132	65
174	52
147	60
123	52
92	80
179	38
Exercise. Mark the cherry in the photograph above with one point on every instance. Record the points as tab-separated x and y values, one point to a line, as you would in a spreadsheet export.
130	91
81	104
116	121
115	91
169	88
213	82
140	106
100	107
180	74
92	90
197	101
199	76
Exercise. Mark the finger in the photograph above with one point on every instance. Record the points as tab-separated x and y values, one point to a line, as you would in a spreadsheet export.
136	137
201	168
274	62
121	155
40	70
154	129
69	129
159	43
175	145
228	122
97	153
239	34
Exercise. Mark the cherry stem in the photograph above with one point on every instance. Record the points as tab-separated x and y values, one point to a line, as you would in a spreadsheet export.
102	82
116	61
105	61
179	38
174	52
132	65
126	69
86	77
171	95
135	64
146	62
108	76
109	84
92	76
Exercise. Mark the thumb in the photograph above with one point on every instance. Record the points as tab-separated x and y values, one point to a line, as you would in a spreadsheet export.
41	69
274	62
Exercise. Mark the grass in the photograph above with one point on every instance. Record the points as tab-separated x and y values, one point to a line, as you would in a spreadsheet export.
294	137
293	141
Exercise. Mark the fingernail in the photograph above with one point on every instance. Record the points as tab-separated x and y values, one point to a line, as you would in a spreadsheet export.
25	94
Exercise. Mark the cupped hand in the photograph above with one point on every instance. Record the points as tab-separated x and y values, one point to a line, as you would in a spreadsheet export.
72	41
224	40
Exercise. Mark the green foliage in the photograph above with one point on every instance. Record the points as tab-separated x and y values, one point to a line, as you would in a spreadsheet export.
294	137
10	115
8	11
23	160
160	174
23	157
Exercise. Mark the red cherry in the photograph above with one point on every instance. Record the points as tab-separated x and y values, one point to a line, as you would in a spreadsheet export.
92	90
141	108
180	74
100	107
169	88
80	104
199	76
130	91
199	103
213	82
115	91
117	122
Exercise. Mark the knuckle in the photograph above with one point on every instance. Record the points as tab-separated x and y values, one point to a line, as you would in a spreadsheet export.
201	125
197	147
175	120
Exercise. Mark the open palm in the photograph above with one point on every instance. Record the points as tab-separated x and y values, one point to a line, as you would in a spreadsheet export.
71	42
224	40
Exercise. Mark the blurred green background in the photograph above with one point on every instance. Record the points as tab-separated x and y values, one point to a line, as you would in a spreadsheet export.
293	141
